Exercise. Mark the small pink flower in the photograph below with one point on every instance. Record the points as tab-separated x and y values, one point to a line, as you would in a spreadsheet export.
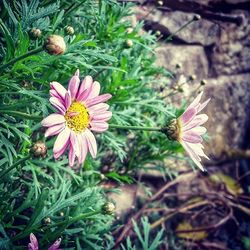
33	245
81	110
190	130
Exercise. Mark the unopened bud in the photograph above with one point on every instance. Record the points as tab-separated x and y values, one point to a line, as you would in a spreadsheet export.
55	45
196	17
70	30
102	177
129	43
178	65
47	220
108	208
129	30
203	82
192	77
160	3
61	214
39	149
158	33
35	33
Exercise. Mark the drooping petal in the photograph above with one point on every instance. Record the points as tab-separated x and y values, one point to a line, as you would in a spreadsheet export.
191	137
203	105
57	104
196	101
102	116
98	99
71	156
74	143
61	91
61	143
74	85
67	99
95	90
188	115
53	120
99	126
193	155
198	149
91	142
83	147
86	83
33	245
54	130
56	245
196	121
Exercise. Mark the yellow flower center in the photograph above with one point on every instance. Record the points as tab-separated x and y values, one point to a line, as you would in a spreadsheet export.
77	117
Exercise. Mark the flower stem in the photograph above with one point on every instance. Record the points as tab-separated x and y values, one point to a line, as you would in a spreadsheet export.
6	171
14	60
135	127
21	114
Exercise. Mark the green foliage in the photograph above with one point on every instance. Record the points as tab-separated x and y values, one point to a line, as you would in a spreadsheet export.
144	240
44	188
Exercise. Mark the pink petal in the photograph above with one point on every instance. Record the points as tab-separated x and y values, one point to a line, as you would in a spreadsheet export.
193	155
33	245
197	121
83	147
85	94
74	143
54	93
99	126
61	143
191	137
54	130
91	142
74	85
103	116
196	101
56	245
71	156
68	99
203	105
96	109
98	99
96	90
198	130
86	83
188	115
61	91
57	104
52	120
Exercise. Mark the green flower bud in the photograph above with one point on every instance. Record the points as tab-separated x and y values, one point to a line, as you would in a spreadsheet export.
108	208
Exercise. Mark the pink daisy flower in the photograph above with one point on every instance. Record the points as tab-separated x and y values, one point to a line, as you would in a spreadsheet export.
33	245
81	110
190	130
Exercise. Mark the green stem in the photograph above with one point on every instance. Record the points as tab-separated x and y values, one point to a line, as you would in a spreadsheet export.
135	127
6	171
21	114
14	60
67	221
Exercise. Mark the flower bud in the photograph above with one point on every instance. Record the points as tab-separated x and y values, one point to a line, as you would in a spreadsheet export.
39	149
70	30
108	208
160	3
129	30
55	45
158	33
196	17
203	82
178	65
129	43
35	33
192	77
47	221
102	177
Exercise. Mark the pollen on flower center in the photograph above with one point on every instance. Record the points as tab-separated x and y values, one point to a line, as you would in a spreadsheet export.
77	117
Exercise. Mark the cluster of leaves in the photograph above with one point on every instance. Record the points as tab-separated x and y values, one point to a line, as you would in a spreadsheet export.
46	197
